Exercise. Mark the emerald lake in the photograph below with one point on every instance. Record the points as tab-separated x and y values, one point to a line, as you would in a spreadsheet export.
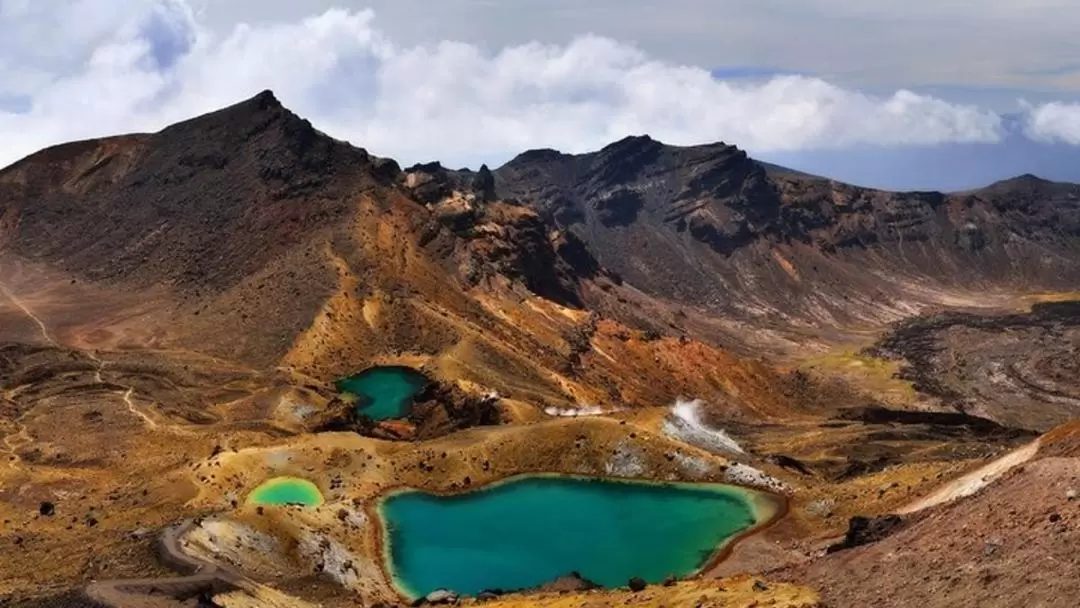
385	393
286	490
530	530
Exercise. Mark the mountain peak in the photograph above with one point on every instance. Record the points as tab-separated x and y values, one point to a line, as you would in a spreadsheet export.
1028	177
634	141
265	99
1028	180
256	112
537	155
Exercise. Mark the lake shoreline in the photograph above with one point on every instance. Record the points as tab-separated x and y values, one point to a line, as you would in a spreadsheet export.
767	508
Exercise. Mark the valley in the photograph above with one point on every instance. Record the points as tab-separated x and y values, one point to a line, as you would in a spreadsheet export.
242	300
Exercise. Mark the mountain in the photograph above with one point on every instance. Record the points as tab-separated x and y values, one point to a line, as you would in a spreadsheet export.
176	307
709	227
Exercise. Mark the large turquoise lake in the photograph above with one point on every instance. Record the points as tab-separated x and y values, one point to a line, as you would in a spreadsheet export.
531	530
385	393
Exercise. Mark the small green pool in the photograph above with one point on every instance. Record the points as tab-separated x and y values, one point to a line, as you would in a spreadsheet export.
285	491
385	393
531	530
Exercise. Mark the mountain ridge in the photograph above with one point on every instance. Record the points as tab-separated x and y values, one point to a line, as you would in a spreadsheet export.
268	99
608	207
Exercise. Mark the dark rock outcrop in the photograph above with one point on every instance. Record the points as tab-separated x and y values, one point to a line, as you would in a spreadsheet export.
442	409
501	238
971	424
866	530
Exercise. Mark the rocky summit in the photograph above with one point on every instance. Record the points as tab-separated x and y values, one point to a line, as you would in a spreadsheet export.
883	383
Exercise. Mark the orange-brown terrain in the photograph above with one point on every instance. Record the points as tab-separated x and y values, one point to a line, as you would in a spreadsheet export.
175	308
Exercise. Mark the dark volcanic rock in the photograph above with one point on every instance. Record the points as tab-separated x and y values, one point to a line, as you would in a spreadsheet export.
442	409
502	238
976	364
708	226
438	410
483	184
972	424
866	530
340	416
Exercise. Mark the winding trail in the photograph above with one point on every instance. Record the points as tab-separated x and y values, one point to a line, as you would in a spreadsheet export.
29	313
15	461
100	365
202	577
134	410
128	401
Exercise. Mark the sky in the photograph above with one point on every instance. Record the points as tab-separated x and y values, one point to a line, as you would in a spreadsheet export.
914	94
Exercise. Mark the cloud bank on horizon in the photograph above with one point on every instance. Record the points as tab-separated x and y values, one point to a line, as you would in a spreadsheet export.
94	68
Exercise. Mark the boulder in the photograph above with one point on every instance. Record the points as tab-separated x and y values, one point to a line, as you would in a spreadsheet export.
571	582
638	584
441	597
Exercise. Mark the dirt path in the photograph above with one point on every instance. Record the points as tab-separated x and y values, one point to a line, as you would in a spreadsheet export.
14	462
134	410
974	481
29	313
168	591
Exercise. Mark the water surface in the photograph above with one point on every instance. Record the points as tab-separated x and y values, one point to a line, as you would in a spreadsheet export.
385	393
286	490
531	530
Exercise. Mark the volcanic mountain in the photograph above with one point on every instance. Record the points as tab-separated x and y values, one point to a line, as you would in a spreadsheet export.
175	307
708	226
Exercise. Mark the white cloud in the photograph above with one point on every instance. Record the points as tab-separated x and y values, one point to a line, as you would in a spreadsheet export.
1053	122
107	71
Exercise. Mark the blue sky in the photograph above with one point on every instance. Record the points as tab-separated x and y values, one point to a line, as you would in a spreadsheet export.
913	94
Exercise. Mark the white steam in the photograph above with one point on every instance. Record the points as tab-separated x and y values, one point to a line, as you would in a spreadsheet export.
685	423
585	410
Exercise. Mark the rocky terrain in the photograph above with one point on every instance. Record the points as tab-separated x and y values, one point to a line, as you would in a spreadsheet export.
709	227
1017	369
175	307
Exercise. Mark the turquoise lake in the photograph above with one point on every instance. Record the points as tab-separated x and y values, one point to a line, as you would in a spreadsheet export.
285	491
385	393
531	530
